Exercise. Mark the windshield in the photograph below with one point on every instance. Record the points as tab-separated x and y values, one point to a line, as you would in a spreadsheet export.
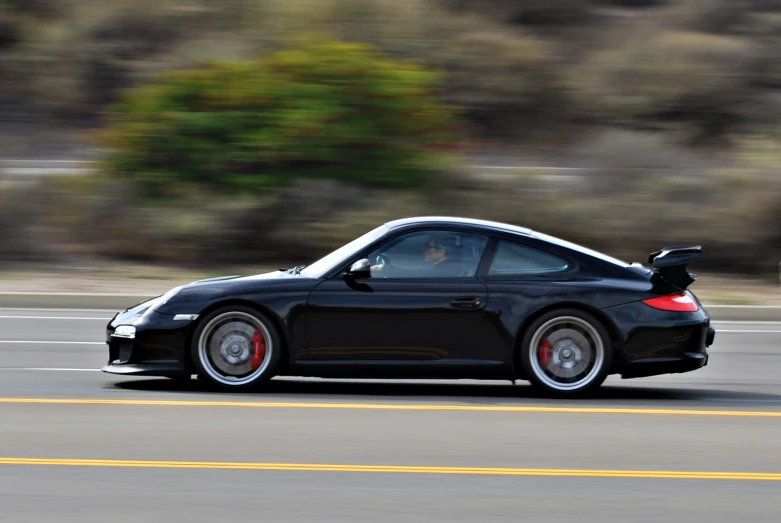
323	265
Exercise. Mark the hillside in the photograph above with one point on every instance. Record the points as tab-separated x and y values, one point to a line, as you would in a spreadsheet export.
536	72
670	107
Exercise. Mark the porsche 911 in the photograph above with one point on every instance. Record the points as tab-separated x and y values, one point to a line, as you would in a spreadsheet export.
428	298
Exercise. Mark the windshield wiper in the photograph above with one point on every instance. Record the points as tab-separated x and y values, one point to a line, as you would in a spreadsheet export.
296	270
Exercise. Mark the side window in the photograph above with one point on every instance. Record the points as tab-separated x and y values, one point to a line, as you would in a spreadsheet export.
513	259
429	254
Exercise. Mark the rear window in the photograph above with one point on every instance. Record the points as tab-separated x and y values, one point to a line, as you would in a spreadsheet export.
517	259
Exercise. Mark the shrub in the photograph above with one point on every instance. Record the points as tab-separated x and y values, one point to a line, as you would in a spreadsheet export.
529	12
34	7
684	81
765	5
504	80
715	16
78	66
734	216
325	110
134	33
634	3
101	218
10	33
22	213
618	160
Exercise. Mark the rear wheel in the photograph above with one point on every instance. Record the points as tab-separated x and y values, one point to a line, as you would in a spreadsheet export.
235	348
566	352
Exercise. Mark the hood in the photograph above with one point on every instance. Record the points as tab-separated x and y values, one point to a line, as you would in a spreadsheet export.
190	297
204	288
237	279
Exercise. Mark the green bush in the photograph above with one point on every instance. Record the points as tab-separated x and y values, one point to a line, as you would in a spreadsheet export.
325	110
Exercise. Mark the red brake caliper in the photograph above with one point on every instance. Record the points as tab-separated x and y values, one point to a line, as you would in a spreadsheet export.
260	350
545	347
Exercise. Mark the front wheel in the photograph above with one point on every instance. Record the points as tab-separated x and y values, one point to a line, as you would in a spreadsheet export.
235	348
566	352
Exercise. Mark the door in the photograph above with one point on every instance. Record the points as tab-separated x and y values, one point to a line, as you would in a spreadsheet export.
422	308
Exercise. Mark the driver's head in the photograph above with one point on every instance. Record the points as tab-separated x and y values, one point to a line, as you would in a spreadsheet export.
434	251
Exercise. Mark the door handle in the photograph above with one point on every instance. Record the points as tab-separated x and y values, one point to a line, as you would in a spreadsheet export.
467	302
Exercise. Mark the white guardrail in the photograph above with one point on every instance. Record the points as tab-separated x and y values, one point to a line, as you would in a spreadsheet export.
28	168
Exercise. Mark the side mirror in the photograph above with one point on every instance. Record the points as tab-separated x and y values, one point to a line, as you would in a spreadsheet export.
360	269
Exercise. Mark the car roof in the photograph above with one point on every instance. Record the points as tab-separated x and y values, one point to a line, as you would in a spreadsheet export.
506	227
422	220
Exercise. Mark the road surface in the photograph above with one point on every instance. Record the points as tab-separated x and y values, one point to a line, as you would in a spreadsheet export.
79	445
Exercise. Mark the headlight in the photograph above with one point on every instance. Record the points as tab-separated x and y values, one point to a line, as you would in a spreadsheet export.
125	331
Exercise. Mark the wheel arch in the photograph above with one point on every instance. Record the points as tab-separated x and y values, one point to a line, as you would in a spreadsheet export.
265	311
616	340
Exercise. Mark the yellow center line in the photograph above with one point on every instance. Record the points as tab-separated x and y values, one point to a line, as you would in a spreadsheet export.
396	469
403	407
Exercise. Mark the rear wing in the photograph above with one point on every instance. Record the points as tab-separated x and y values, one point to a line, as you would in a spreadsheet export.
670	263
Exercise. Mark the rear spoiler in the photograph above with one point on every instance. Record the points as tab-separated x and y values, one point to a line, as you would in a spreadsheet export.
670	263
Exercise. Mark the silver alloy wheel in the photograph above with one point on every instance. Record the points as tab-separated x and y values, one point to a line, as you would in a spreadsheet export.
226	348
574	354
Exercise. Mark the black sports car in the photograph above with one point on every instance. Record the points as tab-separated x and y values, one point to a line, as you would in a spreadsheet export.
433	297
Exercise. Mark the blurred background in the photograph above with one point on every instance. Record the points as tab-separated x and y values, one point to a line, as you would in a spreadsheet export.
213	134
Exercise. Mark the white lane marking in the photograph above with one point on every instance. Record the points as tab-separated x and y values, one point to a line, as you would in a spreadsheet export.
90	294
11	342
52	318
738	400
735	331
48	369
728	322
64	310
706	306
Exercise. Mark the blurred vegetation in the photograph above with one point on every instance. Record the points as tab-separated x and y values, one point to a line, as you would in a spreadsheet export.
670	108
520	69
327	110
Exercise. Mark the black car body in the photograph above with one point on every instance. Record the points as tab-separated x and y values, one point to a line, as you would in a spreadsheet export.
507	303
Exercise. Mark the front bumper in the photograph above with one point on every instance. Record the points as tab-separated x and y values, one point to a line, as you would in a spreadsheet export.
158	347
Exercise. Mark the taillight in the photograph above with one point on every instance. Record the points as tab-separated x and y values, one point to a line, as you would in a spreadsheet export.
673	302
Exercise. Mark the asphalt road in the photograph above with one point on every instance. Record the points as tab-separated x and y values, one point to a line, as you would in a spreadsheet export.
79	445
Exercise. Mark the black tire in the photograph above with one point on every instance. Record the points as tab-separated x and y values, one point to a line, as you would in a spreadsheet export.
586	343
225	364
